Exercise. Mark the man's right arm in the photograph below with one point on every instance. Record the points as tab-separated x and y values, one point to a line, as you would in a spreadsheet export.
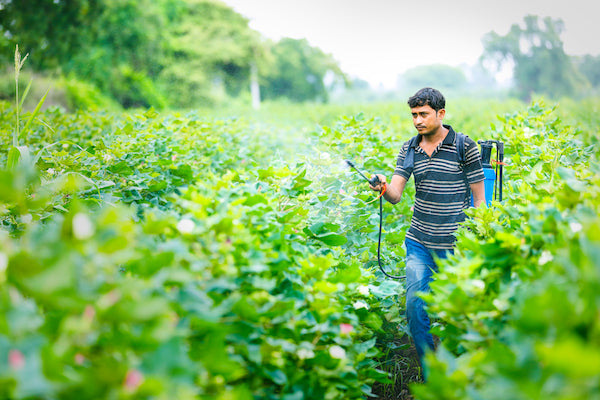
394	190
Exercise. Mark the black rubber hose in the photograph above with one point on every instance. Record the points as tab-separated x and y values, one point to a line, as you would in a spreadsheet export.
379	243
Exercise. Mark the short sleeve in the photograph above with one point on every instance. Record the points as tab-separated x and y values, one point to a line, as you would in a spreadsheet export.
405	173
473	168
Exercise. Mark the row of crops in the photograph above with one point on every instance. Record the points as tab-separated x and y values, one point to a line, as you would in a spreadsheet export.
189	256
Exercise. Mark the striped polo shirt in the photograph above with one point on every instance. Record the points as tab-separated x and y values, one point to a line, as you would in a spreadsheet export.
442	194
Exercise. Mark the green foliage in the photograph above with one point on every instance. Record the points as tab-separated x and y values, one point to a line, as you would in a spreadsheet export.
540	63
92	41
82	95
126	54
50	31
134	89
170	257
178	255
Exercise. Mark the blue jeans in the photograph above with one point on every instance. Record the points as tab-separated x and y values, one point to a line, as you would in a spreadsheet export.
420	267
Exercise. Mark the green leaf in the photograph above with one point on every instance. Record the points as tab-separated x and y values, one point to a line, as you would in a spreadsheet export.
364	347
394	237
61	208
300	182
386	289
245	310
331	239
277	376
185	172
41	151
568	176
170	359
18	154
317	228
347	273
25	93
151	113
121	168
156	186
33	115
255	199
13	157
373	321
146	310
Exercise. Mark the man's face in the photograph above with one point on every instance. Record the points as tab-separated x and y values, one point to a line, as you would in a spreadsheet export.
427	120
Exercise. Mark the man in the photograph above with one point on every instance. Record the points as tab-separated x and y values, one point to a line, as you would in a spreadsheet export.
442	186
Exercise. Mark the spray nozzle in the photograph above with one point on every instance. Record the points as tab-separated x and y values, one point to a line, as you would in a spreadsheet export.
373	182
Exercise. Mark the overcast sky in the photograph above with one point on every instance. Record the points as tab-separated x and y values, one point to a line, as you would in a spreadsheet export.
378	39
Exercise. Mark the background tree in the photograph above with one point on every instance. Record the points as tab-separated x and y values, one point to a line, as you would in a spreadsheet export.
536	51
114	44
436	75
210	48
299	72
160	53
126	53
49	31
589	66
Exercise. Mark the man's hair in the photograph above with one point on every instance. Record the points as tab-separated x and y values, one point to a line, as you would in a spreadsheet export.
428	96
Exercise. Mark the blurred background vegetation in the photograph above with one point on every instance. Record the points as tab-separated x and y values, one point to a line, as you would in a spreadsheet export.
182	54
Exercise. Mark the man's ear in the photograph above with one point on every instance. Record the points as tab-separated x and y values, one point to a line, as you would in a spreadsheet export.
441	113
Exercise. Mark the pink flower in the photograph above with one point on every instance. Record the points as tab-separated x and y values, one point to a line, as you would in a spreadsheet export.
346	328
133	379
16	360
79	359
89	312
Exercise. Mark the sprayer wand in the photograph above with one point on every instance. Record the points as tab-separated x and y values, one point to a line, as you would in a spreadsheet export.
374	182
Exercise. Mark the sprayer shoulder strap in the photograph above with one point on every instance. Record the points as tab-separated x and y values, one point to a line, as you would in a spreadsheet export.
409	159
460	148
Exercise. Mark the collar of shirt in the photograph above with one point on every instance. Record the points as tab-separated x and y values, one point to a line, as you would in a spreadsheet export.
448	140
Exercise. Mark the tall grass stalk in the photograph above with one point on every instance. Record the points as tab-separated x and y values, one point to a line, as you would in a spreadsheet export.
18	65
19	153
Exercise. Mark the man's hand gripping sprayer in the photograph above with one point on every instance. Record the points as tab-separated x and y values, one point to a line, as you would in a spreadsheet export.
374	182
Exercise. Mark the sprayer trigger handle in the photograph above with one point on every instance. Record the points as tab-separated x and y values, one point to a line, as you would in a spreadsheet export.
374	181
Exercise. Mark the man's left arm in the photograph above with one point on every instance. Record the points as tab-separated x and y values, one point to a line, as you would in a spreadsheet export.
474	172
478	190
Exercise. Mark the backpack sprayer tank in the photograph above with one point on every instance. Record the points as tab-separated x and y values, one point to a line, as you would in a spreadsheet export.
493	178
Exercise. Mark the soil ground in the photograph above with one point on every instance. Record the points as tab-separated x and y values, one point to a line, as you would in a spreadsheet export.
403	364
